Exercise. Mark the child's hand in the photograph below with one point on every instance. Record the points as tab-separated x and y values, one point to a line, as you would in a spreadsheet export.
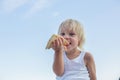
56	42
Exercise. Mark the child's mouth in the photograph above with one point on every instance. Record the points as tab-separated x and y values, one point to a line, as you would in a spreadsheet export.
69	44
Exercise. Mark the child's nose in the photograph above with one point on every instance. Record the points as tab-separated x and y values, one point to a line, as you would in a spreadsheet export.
66	36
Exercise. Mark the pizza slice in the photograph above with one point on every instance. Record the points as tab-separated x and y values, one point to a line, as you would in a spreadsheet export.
54	37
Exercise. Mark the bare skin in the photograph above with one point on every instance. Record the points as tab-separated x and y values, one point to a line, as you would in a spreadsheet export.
58	65
89	61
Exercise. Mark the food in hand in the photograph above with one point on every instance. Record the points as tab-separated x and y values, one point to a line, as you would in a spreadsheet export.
54	37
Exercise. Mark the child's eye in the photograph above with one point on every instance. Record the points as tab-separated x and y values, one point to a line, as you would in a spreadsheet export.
71	34
62	34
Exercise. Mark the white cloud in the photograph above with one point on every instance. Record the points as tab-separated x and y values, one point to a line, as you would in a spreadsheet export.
37	6
11	5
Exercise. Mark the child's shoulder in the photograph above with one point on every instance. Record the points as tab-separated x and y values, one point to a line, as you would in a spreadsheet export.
88	54
88	57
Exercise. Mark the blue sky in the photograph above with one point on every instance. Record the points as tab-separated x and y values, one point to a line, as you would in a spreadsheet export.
26	26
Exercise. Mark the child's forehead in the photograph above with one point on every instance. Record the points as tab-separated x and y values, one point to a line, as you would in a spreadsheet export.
67	29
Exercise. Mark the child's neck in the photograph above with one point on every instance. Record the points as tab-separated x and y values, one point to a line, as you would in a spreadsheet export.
73	54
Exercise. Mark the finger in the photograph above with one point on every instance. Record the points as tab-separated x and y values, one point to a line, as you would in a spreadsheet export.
53	44
60	41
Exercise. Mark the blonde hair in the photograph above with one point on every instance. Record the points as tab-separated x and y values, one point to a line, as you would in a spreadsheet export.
75	26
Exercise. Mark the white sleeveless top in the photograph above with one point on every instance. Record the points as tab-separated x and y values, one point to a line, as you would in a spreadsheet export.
75	69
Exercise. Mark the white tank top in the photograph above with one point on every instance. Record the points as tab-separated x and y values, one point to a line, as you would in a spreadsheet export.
75	69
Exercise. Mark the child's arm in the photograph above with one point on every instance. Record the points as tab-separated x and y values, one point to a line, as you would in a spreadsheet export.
58	64
90	66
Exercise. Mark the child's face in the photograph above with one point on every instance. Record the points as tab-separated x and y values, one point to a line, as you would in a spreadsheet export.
71	36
